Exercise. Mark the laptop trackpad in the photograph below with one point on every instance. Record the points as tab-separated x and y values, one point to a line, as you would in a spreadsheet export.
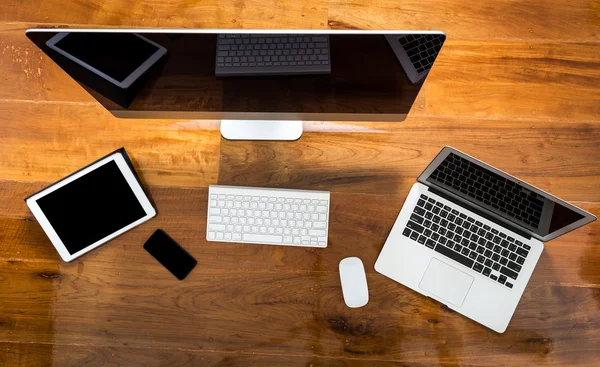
446	282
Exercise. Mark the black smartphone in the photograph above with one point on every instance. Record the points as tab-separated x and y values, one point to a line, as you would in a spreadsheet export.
168	252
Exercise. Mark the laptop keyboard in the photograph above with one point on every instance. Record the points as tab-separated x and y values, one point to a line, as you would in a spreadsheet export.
422	49
491	189
460	237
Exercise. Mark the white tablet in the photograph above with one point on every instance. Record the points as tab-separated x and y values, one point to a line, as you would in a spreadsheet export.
91	206
120	58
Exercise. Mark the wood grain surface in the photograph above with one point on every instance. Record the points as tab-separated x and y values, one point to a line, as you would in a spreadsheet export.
517	85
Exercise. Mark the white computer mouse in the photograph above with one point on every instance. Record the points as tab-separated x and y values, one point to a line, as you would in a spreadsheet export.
354	282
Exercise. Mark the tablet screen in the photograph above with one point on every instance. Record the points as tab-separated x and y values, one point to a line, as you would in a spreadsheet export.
116	55
92	207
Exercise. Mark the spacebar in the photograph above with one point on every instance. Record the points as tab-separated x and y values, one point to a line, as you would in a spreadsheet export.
454	255
263	238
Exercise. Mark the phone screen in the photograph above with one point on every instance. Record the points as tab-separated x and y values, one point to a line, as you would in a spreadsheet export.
170	254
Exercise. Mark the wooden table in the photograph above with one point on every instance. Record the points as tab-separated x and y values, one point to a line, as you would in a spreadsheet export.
516	85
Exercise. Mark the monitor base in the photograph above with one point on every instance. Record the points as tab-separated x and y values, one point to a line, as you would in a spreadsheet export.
261	129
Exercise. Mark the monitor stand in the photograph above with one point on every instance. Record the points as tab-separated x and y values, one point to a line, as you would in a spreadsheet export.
261	129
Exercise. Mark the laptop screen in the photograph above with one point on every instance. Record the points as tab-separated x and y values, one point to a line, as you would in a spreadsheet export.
306	75
538	213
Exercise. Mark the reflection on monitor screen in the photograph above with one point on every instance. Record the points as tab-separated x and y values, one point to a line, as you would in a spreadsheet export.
334	75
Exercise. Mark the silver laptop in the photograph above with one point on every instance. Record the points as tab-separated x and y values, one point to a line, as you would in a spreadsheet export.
470	235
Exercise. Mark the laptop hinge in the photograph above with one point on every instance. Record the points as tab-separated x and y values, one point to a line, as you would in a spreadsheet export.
480	212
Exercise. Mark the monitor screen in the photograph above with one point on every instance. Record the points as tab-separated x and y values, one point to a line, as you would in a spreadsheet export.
515	201
305	75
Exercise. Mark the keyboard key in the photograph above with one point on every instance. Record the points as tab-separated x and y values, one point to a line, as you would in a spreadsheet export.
216	227
509	285
478	267
276	239
520	260
430	243
414	235
509	273
422	240
493	277
419	210
496	266
502	279
454	256
465	251
513	266
414	226
473	255
416	218
487	271
522	252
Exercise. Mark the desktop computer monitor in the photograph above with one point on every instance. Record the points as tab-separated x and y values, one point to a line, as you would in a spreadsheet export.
261	84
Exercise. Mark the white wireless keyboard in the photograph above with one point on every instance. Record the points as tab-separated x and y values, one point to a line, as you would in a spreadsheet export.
268	216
